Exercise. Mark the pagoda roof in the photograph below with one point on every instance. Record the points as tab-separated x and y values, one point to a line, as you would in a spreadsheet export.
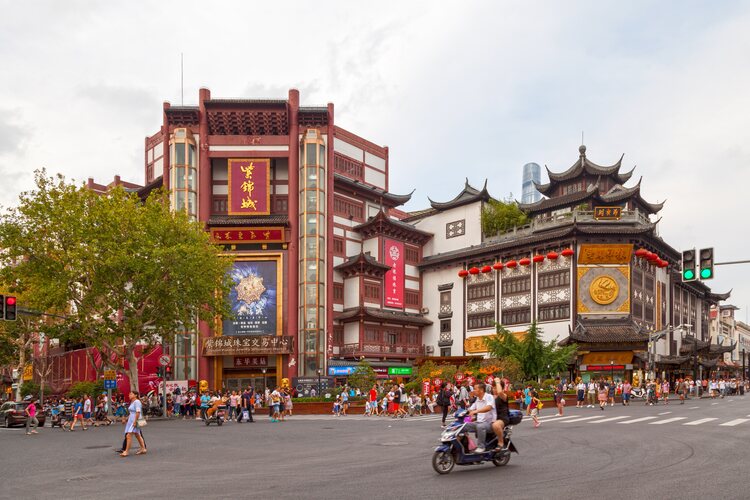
606	331
584	166
381	315
363	263
371	192
721	349
469	194
672	360
242	220
718	297
382	224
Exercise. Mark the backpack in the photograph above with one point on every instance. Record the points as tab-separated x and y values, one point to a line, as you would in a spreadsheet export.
441	398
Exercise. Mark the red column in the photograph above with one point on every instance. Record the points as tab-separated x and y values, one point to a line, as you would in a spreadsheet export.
165	138
292	262
205	195
328	332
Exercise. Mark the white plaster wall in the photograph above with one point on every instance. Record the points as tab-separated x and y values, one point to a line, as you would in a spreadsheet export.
343	147
371	245
351	292
158	149
221	189
435	224
245	148
372	210
411	270
352	248
411	285
150	155
374	177
337	231
550	329
159	167
337	261
351	333
282	189
431	300
374	161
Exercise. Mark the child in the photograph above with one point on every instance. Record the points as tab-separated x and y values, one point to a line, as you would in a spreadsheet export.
384	406
534	406
337	406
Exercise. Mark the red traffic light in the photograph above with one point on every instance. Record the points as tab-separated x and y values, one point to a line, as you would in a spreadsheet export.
10	301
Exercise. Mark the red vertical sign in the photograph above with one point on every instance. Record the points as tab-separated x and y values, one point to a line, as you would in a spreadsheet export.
249	190
394	279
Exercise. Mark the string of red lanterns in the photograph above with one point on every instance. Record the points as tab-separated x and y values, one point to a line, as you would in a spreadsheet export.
525	261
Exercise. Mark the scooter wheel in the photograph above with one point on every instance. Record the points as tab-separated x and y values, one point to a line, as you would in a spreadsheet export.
501	458
207	423
443	462
219	422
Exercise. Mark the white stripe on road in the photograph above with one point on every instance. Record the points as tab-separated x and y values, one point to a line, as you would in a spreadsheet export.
665	413
714	404
736	421
642	419
667	421
552	418
693	407
612	419
580	419
701	421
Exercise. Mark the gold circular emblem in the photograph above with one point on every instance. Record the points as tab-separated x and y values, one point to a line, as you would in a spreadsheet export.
604	290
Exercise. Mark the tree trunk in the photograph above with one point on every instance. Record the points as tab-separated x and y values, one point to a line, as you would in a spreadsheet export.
21	368
132	366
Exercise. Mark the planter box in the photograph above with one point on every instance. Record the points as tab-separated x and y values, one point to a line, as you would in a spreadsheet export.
321	408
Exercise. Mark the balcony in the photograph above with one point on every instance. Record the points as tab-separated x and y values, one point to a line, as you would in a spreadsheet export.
384	350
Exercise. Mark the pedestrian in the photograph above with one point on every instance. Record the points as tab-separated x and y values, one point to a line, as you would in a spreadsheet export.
77	415
591	394
344	401
681	389
31	420
443	400
373	400
288	405
234	404
87	409
534	406
527	399
580	393
611	392
665	391
602	395
626	390
275	404
131	428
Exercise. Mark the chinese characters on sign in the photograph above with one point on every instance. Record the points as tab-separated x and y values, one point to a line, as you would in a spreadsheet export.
607	213
253	298
605	254
250	361
394	278
241	346
248	235
249	186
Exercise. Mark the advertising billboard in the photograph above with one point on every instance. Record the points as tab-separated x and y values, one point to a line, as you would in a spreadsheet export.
249	190
254	298
394	279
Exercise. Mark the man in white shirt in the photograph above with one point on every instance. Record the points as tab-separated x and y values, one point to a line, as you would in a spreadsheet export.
484	409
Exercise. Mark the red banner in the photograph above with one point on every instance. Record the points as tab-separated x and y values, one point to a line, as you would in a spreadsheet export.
426	388
249	186
394	279
248	234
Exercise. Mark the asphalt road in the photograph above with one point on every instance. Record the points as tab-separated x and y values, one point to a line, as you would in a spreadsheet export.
696	450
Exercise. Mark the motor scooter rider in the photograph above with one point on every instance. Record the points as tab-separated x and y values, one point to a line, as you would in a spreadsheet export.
502	413
484	409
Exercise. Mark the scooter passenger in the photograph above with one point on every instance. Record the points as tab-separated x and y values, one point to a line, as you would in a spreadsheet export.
501	410
484	409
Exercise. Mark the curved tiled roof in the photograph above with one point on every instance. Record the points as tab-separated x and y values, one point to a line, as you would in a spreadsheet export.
384	315
362	262
606	331
469	195
382	224
376	194
241	220
581	166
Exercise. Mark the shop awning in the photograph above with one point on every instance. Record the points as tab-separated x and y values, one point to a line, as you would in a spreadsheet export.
606	357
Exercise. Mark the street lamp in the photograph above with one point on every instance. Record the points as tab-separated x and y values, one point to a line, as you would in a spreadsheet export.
612	370
264	378
318	382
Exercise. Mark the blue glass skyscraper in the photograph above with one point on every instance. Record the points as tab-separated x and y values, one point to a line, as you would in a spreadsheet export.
531	173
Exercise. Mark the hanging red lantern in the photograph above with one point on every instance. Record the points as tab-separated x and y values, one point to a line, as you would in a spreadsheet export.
511	264
652	257
662	263
568	252
463	273
552	256
525	261
486	269
497	266
474	270
538	258
641	252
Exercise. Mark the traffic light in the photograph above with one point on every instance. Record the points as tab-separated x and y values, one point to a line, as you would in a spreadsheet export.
10	308
706	264
168	371
160	372
688	265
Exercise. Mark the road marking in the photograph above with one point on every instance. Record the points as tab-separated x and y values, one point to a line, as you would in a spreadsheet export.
714	404
557	419
693	407
736	421
665	413
667	421
642	419
699	422
612	419
582	419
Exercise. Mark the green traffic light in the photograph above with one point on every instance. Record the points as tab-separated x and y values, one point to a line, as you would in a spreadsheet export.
706	273
688	274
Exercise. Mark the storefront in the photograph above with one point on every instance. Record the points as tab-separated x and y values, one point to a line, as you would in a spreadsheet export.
614	365
252	360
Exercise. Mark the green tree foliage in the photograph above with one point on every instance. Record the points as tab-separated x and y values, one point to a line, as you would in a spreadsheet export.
500	216
363	377
125	272
532	354
30	388
430	370
79	389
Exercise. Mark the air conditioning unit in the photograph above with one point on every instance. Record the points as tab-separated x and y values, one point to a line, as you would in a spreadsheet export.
425	310
429	349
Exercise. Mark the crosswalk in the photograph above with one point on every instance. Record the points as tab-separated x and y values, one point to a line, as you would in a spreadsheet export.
661	419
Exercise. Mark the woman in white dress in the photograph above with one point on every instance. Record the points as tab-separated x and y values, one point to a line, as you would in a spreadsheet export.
131	427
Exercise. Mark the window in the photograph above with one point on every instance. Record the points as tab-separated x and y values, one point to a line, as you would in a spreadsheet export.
554	312
219	204
412	338
372	335
481	291
637	310
455	229
649	283
347	166
348	209
554	280
637	278
516	285
281	204
445	325
484	320
412	298
445	351
338	246
412	255
516	316
338	293
649	316
338	335
445	299
372	291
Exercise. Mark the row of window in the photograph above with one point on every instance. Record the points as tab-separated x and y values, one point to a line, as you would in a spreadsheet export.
349	209
279	204
347	166
411	254
554	280
392	337
372	291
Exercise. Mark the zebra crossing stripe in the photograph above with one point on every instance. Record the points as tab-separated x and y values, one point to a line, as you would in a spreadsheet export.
668	421
734	422
701	421
611	419
580	419
642	419
553	418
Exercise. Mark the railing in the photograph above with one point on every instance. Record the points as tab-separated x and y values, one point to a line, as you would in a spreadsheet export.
365	348
445	309
568	218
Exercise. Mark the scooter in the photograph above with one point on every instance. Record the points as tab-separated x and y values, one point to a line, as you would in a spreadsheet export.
455	448
638	392
217	413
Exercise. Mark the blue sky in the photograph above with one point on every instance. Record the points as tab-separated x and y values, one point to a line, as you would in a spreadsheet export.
471	89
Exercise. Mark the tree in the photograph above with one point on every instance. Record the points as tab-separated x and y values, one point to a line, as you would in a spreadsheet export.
126	272
363	377
501	216
532	354
17	338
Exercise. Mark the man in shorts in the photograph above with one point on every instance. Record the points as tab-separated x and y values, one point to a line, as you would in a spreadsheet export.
484	409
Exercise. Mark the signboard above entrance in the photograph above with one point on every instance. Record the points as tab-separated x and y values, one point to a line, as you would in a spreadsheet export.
241	346
607	213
